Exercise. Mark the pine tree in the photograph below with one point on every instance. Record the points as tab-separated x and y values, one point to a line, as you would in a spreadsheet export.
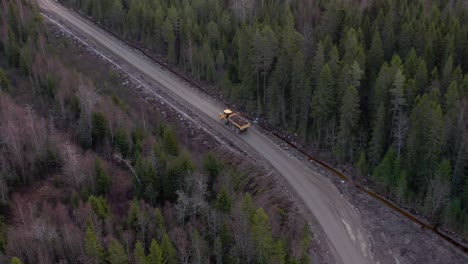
199	247
248	208
362	165
100	128
258	44
280	253
401	189
261	233
117	253
405	39
376	55
439	189
349	117
388	36
333	62
170	142
269	53
380	93
93	248
103	180
169	252
378	138
411	63
421	77
323	101
16	260
317	63
447	73
169	38
156	254
211	166
139	254
244	62
297	86
224	201
399	124
383	173
213	33
122	142
4	82
99	205
424	141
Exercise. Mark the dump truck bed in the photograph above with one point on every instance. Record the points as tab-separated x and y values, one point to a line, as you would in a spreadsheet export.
238	121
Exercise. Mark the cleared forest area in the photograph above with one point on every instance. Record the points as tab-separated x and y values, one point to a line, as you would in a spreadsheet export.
90	176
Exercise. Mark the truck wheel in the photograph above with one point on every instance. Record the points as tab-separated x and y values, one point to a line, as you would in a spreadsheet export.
226	122
238	131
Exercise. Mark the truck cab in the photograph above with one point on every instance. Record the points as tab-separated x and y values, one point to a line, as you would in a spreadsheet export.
225	115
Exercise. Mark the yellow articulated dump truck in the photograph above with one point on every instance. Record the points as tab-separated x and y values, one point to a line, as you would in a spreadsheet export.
238	123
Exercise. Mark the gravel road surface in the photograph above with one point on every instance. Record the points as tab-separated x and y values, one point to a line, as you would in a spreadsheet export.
340	222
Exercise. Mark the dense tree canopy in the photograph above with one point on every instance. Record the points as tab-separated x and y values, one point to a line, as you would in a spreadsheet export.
89	174
351	77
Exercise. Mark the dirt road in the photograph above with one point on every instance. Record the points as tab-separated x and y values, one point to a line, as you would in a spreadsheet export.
338	219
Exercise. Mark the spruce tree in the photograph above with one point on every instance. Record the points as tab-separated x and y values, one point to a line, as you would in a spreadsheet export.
261	233
103	180
323	100
156	254
168	250
16	260
378	137
349	118
117	254
139	254
93	248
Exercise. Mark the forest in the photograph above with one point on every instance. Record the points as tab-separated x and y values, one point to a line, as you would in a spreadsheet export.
381	84
87	176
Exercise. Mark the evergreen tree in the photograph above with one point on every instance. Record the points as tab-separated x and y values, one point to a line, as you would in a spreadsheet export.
439	188
349	118
361	164
169	38
421	77
99	205
117	253
100	128
280	253
411	63
297	86
168	250
103	180
261	233
156	254
170	142
224	201
399	120
376	55
212	167
383	173
122	142
424	141
381	89
378	138
323	101
139	254
16	260
4	82
93	248
401	189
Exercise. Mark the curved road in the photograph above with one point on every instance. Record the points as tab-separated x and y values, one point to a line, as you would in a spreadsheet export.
338	219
